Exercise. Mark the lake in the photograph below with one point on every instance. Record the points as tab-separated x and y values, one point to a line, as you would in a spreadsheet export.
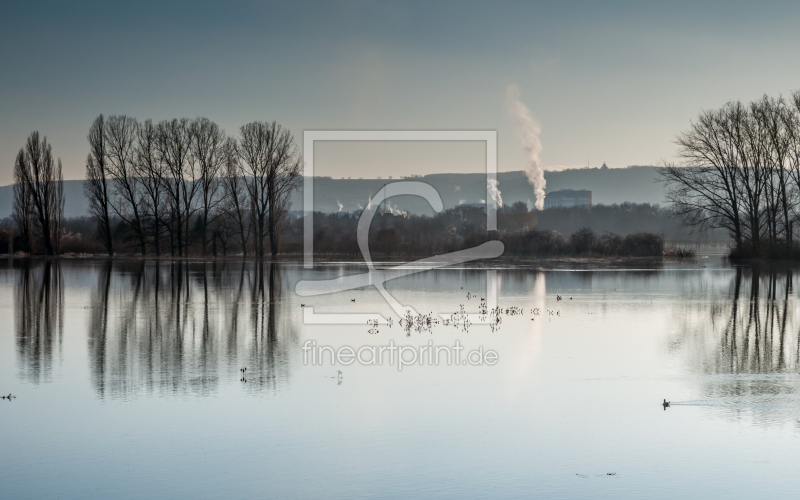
128	384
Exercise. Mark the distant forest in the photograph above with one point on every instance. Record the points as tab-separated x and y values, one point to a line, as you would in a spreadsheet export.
405	236
617	230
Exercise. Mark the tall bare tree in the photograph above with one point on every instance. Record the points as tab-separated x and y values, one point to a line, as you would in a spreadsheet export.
772	114
96	186
740	170
704	188
270	162
283	178
209	154
23	206
151	173
174	148
235	203
43	181
120	136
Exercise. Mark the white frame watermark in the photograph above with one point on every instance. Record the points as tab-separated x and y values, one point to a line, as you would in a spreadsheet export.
377	277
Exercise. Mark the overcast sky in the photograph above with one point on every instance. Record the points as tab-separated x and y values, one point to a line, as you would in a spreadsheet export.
609	82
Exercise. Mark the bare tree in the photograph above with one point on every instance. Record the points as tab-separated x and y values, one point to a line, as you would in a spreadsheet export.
270	163
151	173
252	152
96	186
740	170
209	154
283	178
704	188
23	206
42	179
792	118
120	137
174	148
235	198
772	115
58	209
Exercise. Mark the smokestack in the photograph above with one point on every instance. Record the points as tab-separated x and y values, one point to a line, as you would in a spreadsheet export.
529	130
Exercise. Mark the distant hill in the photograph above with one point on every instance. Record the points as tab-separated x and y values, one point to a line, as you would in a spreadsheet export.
75	204
608	185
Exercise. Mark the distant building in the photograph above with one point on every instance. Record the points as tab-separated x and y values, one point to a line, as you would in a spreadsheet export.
568	198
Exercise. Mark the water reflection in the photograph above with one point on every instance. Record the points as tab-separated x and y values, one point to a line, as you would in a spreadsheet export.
744	342
39	322
177	327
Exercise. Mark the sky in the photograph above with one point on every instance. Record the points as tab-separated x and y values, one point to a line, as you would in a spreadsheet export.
609	82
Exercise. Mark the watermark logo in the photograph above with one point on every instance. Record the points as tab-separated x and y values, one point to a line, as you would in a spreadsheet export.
397	355
378	277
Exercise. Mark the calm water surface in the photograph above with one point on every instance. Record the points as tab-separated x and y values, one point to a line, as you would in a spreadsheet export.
128	384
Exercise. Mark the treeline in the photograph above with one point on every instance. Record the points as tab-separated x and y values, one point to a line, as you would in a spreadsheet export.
177	186
403	236
623	219
740	171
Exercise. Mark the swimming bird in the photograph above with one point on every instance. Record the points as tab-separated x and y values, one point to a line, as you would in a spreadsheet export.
352	300
665	404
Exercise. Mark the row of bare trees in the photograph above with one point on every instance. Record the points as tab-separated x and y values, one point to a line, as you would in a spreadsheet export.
38	210
740	171
170	181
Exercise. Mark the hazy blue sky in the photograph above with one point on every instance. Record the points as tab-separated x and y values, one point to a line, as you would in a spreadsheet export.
613	81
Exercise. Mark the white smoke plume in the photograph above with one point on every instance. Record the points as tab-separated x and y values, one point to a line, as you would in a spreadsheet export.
341	207
529	130
494	192
394	210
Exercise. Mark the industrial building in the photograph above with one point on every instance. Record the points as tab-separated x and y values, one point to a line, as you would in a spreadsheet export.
568	198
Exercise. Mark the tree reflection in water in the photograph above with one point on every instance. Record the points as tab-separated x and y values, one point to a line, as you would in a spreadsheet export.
744	343
177	327
39	322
